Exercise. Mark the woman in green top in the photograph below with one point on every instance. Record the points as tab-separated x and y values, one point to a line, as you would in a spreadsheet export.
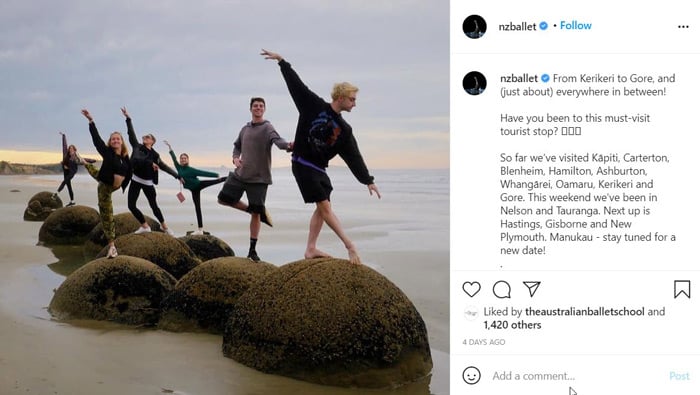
195	185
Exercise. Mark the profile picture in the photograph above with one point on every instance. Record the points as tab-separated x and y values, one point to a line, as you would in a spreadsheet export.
474	26
474	83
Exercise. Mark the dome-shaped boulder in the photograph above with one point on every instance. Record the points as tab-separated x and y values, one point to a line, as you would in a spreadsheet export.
166	251
329	322
68	225
207	247
124	289
124	223
202	298
41	205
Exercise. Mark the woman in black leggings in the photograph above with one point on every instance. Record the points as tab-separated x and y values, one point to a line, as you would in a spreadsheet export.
70	163
146	162
195	185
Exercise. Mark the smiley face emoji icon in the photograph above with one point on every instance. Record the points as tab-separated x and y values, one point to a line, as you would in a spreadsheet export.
471	375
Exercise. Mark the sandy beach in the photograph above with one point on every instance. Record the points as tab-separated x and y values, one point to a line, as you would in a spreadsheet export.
41	356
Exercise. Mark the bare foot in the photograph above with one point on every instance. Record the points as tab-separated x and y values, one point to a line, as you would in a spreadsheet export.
311	253
354	257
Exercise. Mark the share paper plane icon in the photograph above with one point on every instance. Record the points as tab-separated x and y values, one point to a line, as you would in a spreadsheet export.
532	286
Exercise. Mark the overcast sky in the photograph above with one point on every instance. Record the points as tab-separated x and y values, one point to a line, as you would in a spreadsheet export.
186	70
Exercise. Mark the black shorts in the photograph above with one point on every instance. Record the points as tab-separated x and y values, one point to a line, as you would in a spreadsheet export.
233	189
315	186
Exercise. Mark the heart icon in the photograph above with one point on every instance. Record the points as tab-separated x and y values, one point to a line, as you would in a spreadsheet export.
471	288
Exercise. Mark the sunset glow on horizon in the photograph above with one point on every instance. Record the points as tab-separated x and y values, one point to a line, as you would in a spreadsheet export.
30	157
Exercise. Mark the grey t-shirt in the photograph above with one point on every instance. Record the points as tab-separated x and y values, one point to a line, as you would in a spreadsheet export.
254	147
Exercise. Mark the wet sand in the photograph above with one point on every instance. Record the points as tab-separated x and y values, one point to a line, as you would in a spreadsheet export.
41	356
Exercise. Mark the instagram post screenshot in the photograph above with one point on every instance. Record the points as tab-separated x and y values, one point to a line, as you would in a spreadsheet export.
573	200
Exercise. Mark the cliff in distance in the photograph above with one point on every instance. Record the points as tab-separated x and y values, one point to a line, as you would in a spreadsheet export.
7	168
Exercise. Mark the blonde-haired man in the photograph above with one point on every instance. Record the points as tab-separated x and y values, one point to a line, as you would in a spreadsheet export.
343	89
321	134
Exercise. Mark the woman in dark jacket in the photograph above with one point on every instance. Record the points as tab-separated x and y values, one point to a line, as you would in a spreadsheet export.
114	173
145	162
70	163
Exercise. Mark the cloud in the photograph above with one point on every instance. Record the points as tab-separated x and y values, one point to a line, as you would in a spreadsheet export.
187	69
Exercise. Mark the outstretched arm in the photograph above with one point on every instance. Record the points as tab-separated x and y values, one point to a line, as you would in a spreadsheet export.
96	139
167	168
280	142
284	144
133	140
64	142
172	156
302	96
350	153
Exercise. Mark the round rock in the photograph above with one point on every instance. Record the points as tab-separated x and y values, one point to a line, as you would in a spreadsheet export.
41	205
166	251
202	298
329	322
207	247
125	289
68	225
124	223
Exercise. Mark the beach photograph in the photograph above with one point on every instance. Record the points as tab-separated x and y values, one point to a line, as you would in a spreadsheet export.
187	73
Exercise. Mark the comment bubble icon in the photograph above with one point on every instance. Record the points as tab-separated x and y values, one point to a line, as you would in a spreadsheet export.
501	289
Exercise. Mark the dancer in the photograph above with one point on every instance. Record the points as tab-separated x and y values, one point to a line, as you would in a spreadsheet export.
114	173
189	174
70	163
146	163
321	134
252	157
